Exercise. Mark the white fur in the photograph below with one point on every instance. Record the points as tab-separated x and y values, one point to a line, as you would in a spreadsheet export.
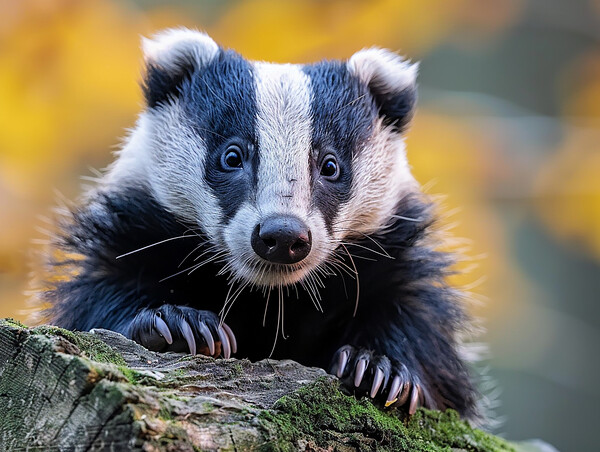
168	48
381	178
389	71
133	160
177	171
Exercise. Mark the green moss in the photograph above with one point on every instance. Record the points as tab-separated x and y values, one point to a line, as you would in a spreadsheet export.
319	410
90	346
165	414
131	375
237	370
12	323
207	407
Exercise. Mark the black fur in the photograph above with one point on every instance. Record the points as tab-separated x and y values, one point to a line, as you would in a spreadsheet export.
220	101
406	311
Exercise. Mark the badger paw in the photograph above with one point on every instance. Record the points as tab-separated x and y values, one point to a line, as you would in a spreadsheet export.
387	381
182	329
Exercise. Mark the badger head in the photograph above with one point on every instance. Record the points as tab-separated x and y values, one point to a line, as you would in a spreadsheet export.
277	164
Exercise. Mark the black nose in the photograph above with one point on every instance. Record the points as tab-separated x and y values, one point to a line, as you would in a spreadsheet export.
281	239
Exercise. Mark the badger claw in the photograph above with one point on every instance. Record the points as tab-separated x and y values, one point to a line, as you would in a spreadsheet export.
186	332
377	380
403	397
394	391
231	336
182	329
389	383
206	334
342	362
414	399
361	366
224	342
162	328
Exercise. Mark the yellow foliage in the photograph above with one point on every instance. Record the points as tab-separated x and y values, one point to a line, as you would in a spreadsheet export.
568	189
301	31
450	156
67	77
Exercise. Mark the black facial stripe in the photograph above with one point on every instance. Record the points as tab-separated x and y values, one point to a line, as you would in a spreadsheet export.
220	100
343	114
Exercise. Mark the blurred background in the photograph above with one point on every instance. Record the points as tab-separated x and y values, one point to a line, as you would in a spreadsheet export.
508	129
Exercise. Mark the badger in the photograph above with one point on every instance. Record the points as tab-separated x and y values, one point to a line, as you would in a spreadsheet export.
254	201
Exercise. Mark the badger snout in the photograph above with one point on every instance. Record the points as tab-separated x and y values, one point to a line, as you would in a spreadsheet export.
282	239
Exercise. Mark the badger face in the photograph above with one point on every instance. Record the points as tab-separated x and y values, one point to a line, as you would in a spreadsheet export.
277	164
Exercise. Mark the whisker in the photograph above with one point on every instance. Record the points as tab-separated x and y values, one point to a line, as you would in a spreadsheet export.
196	266
400	217
351	102
307	284
266	306
234	297
190	253
357	280
282	317
155	244
280	294
367	236
192	268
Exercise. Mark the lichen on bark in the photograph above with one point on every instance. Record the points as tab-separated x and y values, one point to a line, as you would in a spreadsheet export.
63	390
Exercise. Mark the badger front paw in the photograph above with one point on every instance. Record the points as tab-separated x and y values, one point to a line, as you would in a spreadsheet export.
388	381
182	329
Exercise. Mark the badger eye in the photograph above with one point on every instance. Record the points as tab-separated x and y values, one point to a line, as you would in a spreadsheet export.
232	158
330	168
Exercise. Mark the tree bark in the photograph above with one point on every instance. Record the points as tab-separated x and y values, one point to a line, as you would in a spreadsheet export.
61	390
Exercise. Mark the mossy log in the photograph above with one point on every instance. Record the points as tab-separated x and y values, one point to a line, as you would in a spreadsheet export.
61	390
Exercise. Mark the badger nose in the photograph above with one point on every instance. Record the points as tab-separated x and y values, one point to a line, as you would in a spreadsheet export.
281	239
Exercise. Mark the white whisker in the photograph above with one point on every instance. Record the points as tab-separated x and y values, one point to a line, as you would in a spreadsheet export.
155	244
357	280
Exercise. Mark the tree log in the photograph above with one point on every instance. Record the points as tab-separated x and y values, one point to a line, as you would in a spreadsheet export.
61	390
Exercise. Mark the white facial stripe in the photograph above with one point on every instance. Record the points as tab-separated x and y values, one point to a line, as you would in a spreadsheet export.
284	130
176	173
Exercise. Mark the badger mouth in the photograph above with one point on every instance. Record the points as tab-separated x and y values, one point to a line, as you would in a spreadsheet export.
256	271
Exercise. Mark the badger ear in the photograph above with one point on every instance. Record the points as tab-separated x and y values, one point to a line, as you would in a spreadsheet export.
170	57
392	81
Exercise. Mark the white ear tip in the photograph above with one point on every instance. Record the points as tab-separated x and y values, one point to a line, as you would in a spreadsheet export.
167	46
388	68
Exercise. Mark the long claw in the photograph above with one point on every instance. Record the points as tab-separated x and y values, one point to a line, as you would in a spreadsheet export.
224	343
232	339
414	400
187	333
206	334
361	366
377	380
394	390
403	397
342	362
163	329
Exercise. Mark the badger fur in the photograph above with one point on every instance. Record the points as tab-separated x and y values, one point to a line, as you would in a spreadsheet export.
253	201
